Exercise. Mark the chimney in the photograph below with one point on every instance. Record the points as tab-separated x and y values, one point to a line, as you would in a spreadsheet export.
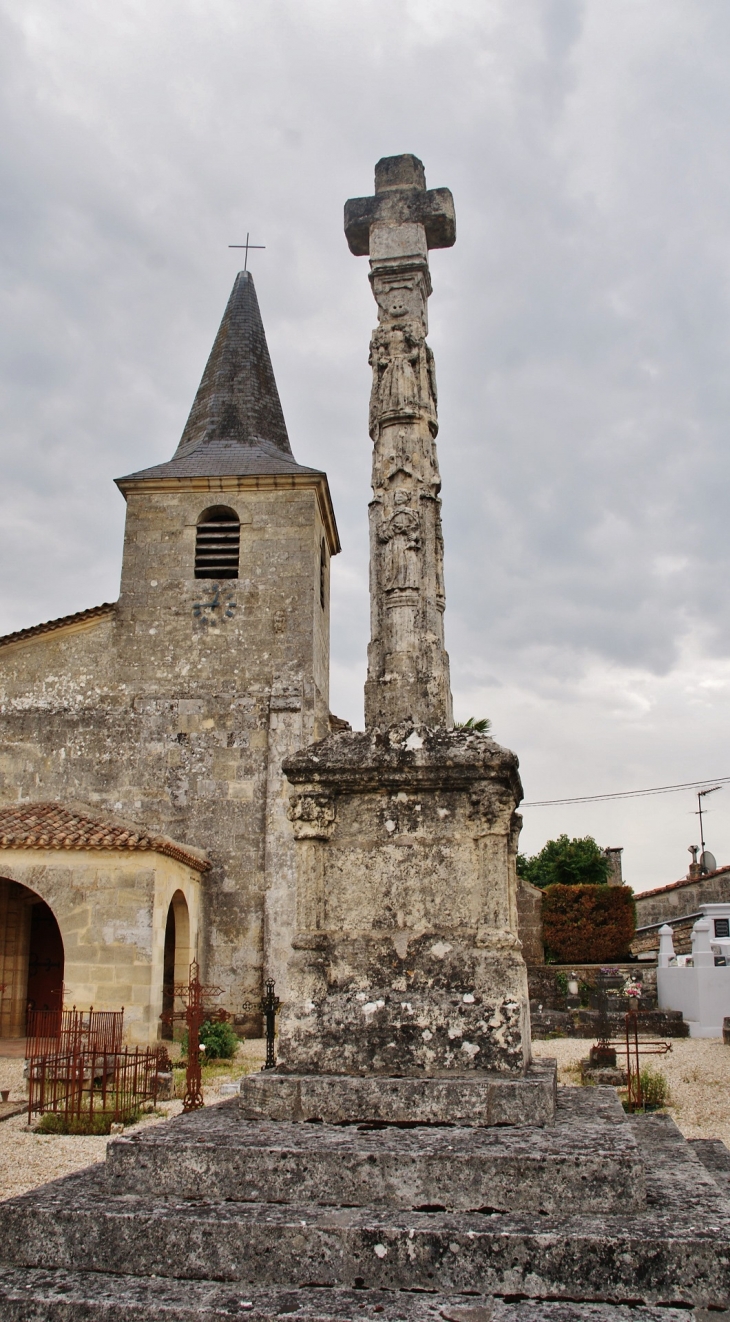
695	870
615	876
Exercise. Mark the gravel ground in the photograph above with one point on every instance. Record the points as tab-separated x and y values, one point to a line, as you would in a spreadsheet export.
28	1159
697	1070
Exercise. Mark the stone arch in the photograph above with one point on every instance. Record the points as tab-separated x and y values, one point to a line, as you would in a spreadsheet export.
177	956
31	956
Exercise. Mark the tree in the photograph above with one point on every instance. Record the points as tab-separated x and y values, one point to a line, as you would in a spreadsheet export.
567	863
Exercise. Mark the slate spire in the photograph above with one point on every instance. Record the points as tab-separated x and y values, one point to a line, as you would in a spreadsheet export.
236	425
237	401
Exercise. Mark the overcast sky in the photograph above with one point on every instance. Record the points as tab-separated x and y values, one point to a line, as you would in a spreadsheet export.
581	327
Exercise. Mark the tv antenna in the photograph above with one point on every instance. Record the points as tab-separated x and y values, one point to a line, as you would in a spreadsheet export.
708	862
247	246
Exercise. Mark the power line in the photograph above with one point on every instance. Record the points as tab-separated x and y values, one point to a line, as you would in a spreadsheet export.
628	794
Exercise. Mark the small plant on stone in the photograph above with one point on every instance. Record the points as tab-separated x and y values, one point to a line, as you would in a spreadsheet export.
561	982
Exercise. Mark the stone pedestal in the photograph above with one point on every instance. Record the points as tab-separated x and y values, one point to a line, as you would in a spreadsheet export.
406	959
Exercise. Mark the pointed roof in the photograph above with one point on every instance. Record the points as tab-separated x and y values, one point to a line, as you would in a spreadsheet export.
236	425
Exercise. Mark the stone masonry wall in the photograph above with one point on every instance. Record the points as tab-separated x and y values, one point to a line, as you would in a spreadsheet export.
162	712
111	907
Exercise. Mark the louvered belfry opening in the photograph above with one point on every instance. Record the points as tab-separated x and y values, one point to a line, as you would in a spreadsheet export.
217	543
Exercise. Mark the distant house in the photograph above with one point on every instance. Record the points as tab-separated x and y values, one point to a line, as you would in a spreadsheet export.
678	904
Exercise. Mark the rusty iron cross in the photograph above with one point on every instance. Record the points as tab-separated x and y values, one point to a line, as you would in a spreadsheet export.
247	246
192	994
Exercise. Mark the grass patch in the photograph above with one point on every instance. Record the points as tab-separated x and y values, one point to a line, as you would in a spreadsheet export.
96	1125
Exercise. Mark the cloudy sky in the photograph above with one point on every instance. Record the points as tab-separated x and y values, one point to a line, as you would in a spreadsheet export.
581	328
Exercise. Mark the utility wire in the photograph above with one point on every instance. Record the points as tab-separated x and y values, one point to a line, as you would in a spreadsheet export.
628	794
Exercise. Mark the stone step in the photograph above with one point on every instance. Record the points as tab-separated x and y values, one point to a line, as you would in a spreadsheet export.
64	1296
715	1158
476	1099
587	1160
676	1251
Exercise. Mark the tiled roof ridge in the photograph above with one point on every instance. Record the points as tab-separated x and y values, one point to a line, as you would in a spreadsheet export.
48	627
683	881
53	826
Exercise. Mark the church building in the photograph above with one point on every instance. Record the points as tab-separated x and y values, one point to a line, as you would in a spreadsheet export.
142	800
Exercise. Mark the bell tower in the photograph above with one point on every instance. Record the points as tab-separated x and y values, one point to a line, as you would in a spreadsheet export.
222	634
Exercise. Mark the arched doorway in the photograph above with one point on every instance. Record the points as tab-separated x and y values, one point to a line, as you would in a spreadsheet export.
176	958
31	957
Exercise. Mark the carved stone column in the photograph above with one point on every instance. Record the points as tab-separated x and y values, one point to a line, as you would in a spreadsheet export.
408	667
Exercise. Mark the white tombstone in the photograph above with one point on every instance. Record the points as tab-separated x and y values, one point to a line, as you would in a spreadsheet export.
701	991
666	947
702	956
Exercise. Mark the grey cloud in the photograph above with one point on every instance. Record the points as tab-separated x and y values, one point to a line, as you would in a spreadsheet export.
581	324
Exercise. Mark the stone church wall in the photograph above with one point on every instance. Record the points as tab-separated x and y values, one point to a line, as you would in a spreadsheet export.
168	710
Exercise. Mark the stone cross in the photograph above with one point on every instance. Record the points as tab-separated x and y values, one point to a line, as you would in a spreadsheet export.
408	667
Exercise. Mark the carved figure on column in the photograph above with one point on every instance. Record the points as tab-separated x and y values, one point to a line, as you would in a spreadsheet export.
404	378
402	555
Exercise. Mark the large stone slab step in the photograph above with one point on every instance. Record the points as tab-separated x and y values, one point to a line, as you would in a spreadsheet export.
476	1099
63	1296
587	1160
676	1251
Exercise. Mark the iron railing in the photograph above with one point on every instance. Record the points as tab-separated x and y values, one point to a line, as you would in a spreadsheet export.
78	1085
69	1032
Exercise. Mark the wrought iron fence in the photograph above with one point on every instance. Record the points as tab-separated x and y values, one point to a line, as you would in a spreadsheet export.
68	1032
93	1085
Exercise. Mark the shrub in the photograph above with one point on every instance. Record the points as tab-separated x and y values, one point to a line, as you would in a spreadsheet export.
587	924
654	1087
218	1038
565	862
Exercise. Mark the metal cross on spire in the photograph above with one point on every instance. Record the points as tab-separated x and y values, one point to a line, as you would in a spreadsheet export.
246	246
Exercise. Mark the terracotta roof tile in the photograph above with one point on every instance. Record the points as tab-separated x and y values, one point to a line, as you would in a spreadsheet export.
683	881
51	826
92	613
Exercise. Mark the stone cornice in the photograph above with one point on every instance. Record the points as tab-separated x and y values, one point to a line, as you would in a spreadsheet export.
316	482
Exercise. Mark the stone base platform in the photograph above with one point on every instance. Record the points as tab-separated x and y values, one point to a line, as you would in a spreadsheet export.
65	1296
77	1249
473	1099
587	1161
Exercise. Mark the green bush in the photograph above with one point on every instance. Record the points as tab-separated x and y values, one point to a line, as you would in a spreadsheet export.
565	862
587	924
218	1038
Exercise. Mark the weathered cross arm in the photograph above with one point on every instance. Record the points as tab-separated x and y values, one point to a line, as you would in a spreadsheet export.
433	208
